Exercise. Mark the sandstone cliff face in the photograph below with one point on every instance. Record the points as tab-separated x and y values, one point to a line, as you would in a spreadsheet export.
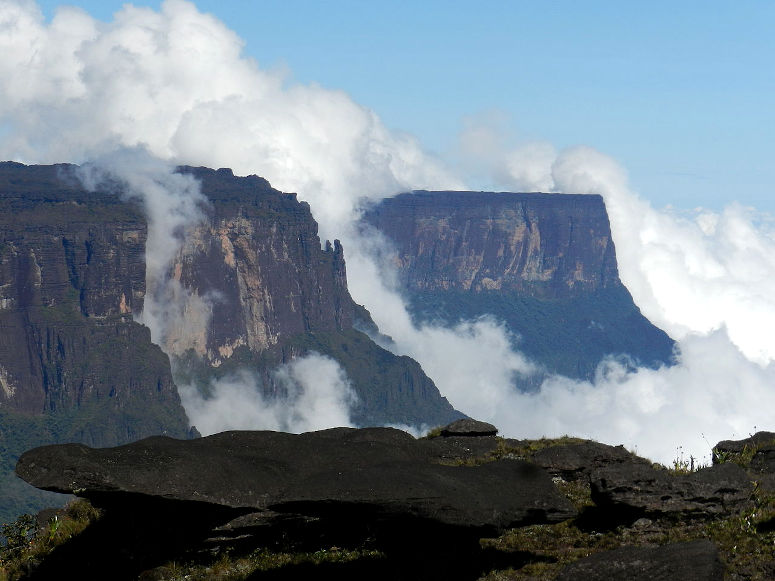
537	244
263	291
71	274
257	266
258	290
544	264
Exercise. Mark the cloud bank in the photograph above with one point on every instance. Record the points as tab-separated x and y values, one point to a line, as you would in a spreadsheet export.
173	204
175	83
317	395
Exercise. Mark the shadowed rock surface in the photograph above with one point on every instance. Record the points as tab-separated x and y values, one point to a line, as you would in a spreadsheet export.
343	485
694	561
633	490
315	474
575	461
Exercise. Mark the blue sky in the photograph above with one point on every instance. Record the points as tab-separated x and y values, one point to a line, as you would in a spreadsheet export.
681	94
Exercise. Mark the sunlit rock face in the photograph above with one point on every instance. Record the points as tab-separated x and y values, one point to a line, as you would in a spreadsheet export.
257	270
261	289
545	264
253	289
543	245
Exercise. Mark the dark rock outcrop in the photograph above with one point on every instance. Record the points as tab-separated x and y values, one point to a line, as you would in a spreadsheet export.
544	264
633	490
580	461
469	428
316	474
724	449
692	561
341	484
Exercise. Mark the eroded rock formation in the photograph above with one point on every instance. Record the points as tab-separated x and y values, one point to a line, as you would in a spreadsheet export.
452	507
341	486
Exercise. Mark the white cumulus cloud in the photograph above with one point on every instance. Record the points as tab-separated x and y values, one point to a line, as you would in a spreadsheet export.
175	83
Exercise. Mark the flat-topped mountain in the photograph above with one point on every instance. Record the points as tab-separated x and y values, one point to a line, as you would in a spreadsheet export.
544	245
545	264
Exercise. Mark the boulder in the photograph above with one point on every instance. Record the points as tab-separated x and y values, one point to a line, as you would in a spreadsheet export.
468	428
692	561
575	461
632	490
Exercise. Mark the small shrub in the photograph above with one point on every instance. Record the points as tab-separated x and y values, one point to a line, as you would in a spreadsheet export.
434	433
26	542
18	535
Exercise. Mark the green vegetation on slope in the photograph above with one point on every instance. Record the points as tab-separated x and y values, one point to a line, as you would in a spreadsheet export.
567	336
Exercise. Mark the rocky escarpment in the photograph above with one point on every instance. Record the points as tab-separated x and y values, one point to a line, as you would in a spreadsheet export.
378	504
545	264
74	365
265	292
72	273
259	291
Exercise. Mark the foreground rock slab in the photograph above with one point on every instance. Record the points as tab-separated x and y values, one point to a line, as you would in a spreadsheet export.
315	474
167	499
634	490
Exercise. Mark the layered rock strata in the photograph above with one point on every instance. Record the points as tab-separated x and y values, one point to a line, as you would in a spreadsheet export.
544	264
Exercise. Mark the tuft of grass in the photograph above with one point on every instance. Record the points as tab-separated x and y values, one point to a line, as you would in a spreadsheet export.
579	492
685	465
553	547
433	433
526	449
27	542
746	541
227	567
